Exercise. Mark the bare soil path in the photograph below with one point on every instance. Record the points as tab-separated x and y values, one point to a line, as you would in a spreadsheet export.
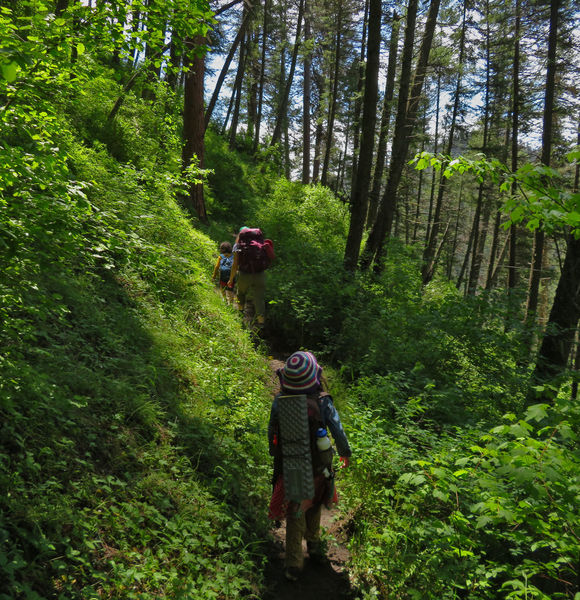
326	581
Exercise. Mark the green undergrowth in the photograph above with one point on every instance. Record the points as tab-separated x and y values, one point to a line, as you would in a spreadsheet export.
132	402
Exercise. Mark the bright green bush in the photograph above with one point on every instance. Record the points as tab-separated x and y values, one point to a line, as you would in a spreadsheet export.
306	288
469	515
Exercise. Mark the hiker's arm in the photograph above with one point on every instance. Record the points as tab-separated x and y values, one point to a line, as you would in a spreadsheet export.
234	270
216	268
333	423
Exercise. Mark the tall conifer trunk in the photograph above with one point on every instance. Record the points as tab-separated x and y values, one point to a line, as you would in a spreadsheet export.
406	116
537	261
385	121
360	192
429	254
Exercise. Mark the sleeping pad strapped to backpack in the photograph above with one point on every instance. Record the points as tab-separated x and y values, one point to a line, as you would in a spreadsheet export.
299	419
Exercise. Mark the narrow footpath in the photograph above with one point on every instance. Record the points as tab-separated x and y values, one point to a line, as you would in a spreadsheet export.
326	581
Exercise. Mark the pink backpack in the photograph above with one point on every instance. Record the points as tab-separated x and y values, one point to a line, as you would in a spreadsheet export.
255	253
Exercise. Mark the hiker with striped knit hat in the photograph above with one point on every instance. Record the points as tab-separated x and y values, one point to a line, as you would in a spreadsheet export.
301	416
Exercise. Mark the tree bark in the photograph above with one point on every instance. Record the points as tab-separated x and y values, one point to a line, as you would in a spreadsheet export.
193	125
357	100
512	263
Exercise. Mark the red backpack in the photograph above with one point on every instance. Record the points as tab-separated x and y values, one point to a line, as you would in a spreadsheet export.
255	253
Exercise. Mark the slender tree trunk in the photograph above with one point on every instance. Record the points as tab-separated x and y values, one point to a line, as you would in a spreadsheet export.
306	100
512	266
194	126
333	97
494	248
435	150
428	269
539	237
282	114
406	117
479	246
386	210
456	234
317	152
360	192
174	64
385	121
253	87
239	82
262	73
357	101
226	66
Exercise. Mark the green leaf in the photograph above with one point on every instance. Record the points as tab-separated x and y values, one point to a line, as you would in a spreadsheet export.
80	48
537	412
10	71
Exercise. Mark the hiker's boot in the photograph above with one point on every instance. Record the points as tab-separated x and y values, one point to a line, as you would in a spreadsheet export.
292	573
316	551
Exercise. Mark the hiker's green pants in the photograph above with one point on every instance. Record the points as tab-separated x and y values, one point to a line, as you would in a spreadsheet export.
252	285
301	525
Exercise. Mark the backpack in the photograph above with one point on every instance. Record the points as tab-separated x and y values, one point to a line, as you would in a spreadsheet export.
226	263
255	253
320	460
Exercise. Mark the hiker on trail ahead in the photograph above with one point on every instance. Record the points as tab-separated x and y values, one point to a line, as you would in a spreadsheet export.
303	477
252	256
222	271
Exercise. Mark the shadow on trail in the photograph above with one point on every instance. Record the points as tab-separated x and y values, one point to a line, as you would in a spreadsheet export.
324	581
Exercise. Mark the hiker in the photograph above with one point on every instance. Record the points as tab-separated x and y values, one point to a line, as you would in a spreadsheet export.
252	256
301	377
222	271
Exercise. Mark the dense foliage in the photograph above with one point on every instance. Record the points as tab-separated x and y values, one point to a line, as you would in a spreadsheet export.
133	459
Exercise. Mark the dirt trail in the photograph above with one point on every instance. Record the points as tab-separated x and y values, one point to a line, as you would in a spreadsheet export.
327	581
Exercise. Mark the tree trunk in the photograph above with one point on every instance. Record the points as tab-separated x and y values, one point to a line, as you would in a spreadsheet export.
563	320
479	245
406	117
360	192
306	99
225	67
282	114
333	98
428	269
385	121
262	74
536	271
193	125
238	84
512	266
435	150
357	100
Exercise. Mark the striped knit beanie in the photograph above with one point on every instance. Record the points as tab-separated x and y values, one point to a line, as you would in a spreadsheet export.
301	374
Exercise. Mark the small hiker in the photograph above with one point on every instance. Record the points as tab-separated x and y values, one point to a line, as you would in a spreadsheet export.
300	488
222	271
252	256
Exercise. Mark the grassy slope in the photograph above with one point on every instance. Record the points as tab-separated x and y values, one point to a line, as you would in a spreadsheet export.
132	448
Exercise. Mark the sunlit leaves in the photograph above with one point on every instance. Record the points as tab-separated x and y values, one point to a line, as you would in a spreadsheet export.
535	194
